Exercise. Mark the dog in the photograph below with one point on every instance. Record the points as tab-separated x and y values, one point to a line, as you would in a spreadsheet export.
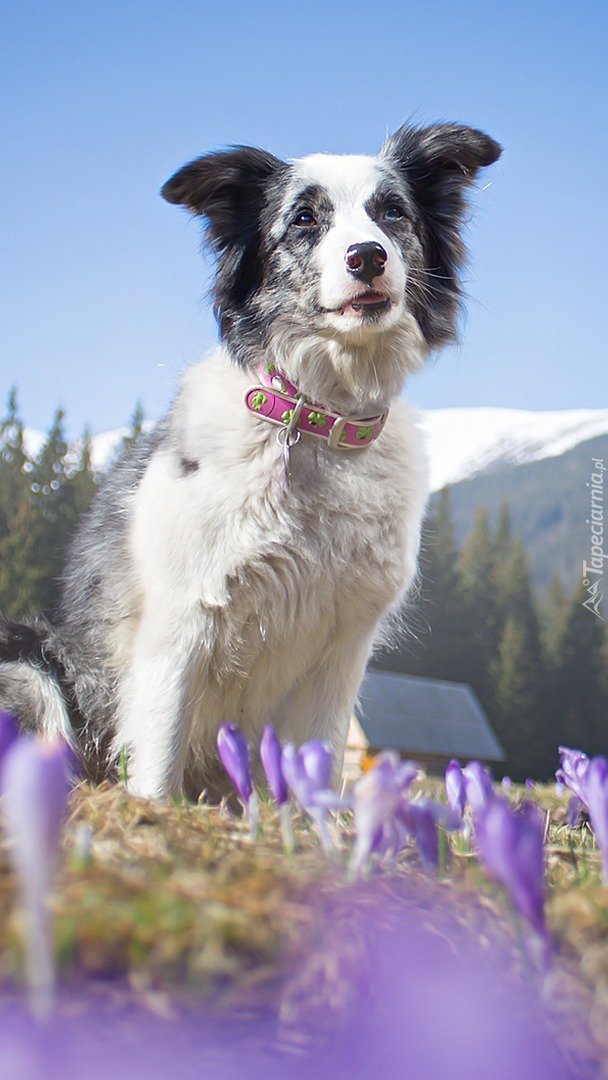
240	562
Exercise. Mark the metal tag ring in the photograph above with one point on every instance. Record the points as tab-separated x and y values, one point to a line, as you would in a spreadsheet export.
288	438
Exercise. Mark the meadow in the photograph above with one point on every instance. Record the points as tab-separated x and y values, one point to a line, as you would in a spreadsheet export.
181	942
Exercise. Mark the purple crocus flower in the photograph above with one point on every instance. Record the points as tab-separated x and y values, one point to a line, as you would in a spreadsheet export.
506	783
271	753
234	755
573	770
36	784
456	787
377	796
307	770
510	844
574	811
596	801
9	732
423	817
478	783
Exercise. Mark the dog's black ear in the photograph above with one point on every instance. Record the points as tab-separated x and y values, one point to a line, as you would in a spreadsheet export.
437	152
227	188
439	164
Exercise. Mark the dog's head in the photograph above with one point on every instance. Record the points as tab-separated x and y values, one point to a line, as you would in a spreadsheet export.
338	263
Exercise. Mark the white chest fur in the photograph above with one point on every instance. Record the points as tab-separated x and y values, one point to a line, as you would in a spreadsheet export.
267	599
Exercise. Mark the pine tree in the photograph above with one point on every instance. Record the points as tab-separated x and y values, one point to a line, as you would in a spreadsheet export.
22	573
50	473
579	701
432	646
136	427
503	540
481	616
441	656
14	463
555	605
519	673
516	710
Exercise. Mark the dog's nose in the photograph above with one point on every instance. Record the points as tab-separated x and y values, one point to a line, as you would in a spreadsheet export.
366	261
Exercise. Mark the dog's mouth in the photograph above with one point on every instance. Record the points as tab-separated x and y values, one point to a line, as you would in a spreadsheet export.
366	305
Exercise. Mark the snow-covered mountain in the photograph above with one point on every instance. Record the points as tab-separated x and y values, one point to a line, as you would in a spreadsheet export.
462	442
465	442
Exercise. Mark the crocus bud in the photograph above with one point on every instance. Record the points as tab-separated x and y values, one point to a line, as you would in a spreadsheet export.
271	753
510	844
596	800
307	770
456	787
234	754
377	796
479	784
36	785
573	770
9	732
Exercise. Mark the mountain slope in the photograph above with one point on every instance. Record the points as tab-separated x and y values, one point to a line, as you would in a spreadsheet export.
466	442
549	504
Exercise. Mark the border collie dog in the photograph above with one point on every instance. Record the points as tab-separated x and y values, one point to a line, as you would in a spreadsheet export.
240	562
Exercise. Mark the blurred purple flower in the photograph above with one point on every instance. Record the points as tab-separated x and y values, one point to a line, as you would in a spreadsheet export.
529	784
456	787
234	755
510	844
36	784
574	811
271	753
479	784
506	783
307	770
423	817
596	801
376	798
9	732
573	770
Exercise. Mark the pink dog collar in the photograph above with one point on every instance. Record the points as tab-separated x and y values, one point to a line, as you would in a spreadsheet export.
280	402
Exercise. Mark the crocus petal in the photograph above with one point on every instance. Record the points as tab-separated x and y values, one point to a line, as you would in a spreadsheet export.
596	800
423	826
35	789
573	770
376	797
456	787
307	770
574	811
234	754
478	784
9	732
317	761
423	817
271	753
510	844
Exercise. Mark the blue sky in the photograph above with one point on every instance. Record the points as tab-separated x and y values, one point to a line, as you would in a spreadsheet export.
102	284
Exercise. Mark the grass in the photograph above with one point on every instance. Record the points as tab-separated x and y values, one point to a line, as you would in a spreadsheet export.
165	900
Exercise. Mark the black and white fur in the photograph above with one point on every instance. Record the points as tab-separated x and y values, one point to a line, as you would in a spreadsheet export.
199	589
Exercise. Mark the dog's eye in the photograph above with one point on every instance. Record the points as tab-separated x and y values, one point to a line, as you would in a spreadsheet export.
392	213
305	219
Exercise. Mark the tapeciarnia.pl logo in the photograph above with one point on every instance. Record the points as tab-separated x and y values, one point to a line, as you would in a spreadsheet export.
593	571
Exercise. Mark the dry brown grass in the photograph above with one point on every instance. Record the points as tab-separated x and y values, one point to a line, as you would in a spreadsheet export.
166	898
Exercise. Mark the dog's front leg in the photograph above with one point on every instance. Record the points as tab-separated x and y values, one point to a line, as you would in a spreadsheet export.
153	716
322	705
